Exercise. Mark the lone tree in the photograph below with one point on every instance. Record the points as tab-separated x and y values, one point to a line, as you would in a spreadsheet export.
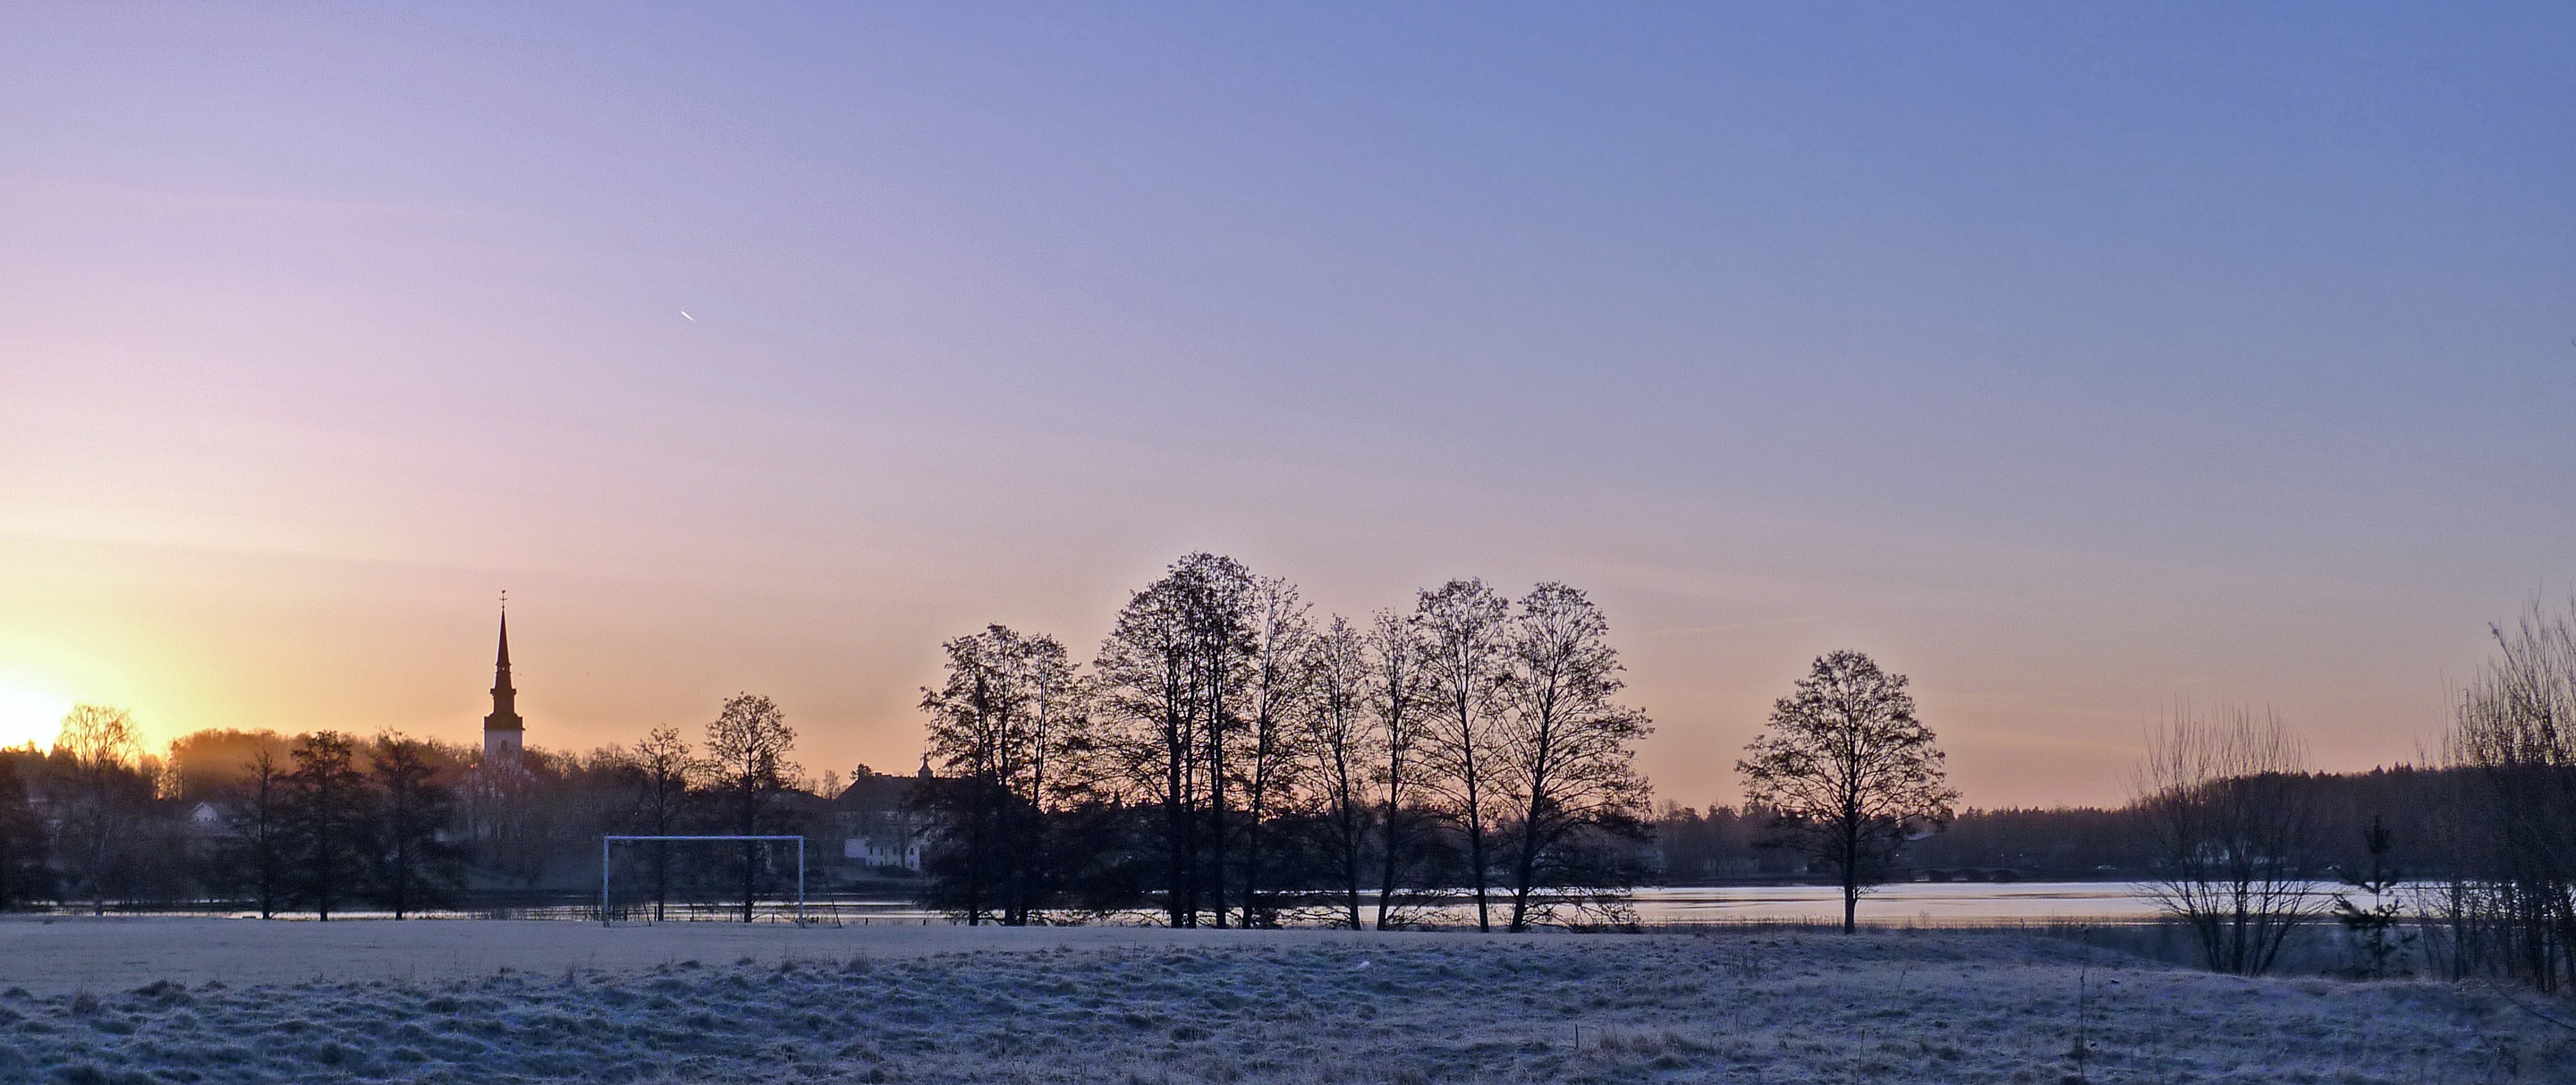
1847	772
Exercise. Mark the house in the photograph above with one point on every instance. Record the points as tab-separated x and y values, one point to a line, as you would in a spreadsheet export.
876	823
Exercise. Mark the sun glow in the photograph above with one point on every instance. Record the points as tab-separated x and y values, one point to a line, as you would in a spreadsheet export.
30	717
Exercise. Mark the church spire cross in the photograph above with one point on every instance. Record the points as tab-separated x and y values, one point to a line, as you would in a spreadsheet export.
502	729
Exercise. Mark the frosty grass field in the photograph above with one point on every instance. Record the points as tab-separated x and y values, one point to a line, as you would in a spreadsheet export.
133	1001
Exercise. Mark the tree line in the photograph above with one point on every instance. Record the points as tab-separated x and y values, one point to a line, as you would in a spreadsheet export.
1231	757
324	822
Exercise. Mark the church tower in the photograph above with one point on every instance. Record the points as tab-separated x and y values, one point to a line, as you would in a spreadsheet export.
501	730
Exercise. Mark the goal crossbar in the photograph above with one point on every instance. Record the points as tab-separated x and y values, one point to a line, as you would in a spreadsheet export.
604	868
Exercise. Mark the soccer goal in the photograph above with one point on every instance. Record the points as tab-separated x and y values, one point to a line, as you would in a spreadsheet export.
608	866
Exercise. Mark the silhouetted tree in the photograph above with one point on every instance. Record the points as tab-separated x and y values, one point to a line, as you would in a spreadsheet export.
1466	631
1398	700
105	795
416	866
1335	713
985	736
1274	689
1564	762
2515	736
747	748
664	768
1216	594
1145	674
1171	675
2374	925
23	874
258	855
1848	772
330	809
2222	797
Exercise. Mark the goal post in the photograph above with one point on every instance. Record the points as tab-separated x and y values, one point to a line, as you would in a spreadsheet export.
606	866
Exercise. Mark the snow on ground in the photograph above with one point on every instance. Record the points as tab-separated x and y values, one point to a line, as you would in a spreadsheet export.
1741	1005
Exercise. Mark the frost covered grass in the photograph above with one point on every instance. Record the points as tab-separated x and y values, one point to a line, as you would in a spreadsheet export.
1725	1006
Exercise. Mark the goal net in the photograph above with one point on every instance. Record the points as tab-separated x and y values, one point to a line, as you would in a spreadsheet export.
656	878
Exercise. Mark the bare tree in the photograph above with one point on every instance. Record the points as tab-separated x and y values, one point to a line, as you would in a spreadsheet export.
1144	671
2515	734
2220	793
1399	704
261	835
1565	761
103	752
1335	712
748	745
1848	772
1216	592
1172	675
665	767
999	725
1466	629
1273	692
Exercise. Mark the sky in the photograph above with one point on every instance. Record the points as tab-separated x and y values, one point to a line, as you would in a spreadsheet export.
2076	361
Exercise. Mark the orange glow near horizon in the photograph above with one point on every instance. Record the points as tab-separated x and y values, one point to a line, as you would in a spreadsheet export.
2071	371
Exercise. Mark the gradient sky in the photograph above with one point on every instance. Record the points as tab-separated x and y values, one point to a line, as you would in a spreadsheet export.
2072	359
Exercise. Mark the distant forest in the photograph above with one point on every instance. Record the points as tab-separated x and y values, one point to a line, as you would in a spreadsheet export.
1724	844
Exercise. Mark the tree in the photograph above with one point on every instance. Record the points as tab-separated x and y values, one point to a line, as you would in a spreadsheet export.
1398	702
664	767
416	867
1335	713
259	854
101	752
1274	688
1565	762
1465	629
748	745
2375	925
23	875
2220	791
1848	772
329	810
1144	671
993	731
2514	737
1216	594
1171	676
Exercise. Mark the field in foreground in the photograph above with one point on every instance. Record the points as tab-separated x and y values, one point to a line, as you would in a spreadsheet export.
1255	1007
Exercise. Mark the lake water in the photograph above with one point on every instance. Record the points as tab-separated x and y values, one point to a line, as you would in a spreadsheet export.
1936	904
1930	903
1946	903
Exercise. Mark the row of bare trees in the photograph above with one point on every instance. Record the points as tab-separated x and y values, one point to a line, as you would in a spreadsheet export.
1229	754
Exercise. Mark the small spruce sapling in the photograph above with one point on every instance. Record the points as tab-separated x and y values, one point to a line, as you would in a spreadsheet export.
2375	926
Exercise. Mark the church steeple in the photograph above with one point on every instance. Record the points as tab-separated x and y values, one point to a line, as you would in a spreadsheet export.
501	729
